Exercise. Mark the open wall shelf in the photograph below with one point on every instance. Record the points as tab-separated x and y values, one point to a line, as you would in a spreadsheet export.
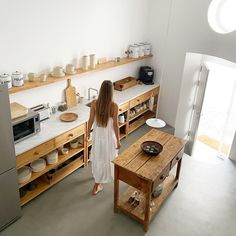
99	67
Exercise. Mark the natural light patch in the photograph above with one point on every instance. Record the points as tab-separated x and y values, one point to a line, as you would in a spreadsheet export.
221	16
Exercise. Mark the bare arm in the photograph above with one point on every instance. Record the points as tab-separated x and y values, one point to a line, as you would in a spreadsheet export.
91	118
116	125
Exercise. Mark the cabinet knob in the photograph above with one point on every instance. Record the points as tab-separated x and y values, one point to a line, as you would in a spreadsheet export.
138	100
36	153
120	109
177	158
162	177
70	135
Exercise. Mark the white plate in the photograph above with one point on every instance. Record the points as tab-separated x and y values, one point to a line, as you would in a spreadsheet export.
24	174
38	165
156	123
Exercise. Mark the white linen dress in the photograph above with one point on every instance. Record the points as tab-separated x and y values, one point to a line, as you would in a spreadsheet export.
103	152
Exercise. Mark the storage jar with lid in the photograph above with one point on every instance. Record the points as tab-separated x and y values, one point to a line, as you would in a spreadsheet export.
134	51
6	79
147	50
17	79
141	49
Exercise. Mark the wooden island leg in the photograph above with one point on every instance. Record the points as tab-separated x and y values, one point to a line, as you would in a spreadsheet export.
178	172
147	207
116	188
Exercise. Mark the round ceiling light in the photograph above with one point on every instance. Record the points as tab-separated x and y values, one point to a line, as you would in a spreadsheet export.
221	16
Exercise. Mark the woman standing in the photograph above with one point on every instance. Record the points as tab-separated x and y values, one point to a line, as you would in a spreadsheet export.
105	140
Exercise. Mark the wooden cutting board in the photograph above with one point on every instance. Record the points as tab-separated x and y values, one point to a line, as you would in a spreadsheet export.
70	94
17	110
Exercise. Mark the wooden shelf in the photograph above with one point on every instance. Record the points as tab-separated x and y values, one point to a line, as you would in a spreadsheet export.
138	212
99	67
43	185
122	124
61	158
122	135
138	114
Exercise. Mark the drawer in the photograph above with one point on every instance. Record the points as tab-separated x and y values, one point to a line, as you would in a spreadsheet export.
34	153
123	108
155	91
142	98
161	177
70	135
177	158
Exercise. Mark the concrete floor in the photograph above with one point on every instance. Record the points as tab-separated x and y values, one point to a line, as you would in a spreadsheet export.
204	204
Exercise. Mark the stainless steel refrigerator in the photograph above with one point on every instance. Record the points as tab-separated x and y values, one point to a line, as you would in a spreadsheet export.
9	194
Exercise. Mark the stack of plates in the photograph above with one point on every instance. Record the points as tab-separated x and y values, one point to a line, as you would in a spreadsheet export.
52	157
24	174
38	165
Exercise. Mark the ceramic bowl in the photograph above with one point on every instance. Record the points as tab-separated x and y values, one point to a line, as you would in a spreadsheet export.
151	148
52	157
64	151
74	143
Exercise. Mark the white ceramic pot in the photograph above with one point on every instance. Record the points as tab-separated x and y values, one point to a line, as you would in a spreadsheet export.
38	165
85	62
52	157
134	51
74	143
17	79
24	174
6	79
121	118
147	50
141	49
93	61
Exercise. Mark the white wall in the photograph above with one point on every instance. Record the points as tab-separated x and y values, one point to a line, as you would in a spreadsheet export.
232	154
38	35
188	32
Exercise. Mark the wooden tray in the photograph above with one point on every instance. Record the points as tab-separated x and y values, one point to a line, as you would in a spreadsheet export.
68	117
125	83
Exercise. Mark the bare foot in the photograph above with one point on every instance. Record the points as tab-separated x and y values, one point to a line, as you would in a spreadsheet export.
97	188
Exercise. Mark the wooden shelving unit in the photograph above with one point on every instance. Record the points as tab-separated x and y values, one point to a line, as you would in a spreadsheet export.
138	212
61	159
43	184
99	67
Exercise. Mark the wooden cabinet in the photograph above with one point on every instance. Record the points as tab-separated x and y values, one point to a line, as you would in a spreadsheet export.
53	173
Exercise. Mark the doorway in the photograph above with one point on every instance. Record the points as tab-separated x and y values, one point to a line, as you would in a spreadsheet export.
214	118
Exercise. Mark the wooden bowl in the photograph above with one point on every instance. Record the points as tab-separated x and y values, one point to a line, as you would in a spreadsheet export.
68	117
151	148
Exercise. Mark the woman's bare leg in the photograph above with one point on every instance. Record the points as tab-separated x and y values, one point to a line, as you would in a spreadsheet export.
97	188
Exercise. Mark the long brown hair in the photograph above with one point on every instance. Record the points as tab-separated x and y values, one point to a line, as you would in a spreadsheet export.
104	103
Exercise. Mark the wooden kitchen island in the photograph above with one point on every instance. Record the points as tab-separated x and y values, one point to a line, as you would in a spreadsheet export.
143	173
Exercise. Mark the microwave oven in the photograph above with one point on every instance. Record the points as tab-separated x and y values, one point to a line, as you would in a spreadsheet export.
26	126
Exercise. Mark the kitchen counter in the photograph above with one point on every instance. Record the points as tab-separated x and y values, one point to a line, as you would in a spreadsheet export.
53	127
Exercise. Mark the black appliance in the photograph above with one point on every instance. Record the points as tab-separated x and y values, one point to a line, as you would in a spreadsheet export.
146	74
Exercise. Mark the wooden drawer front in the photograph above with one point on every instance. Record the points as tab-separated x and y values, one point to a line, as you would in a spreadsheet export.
34	153
132	179
155	91
162	176
140	99
70	135
123	108
177	158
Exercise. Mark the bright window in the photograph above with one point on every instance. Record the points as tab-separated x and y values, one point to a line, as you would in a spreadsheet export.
222	16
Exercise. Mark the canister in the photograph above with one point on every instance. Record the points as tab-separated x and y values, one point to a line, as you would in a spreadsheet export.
134	51
93	61
141	50
17	79
85	62
147	50
6	79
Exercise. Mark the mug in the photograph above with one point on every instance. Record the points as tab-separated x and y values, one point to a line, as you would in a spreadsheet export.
32	77
70	68
43	77
58	70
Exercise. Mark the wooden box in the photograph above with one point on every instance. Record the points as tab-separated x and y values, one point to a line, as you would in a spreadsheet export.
125	83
